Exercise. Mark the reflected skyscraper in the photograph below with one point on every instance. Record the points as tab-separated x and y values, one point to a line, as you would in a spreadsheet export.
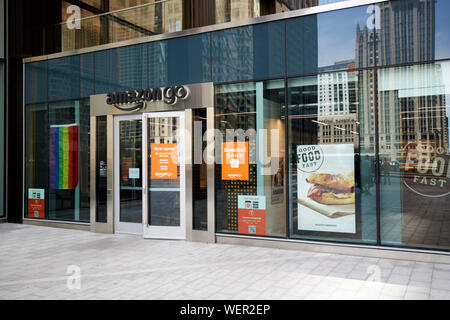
366	43
407	31
408	115
232	10
287	5
337	106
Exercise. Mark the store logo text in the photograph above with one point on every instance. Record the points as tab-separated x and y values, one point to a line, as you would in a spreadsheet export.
135	99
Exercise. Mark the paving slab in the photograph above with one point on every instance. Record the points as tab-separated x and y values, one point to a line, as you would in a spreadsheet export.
51	263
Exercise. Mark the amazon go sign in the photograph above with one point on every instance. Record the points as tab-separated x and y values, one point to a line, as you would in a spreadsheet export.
427	169
135	99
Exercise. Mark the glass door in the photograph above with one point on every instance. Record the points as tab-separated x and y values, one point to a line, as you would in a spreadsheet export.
128	174
164	169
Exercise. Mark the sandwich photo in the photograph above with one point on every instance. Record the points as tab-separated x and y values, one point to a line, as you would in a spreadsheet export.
332	189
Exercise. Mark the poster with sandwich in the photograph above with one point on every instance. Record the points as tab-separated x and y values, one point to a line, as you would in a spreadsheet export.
326	188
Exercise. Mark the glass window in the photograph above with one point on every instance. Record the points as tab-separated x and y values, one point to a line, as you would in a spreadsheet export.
413	30
36	82
90	34
199	171
287	5
64	78
331	162
121	4
328	41
130	155
130	19
57	161
414	113
142	18
232	10
2	30
87	81
2	141
101	168
179	61
164	196
36	160
85	13
250	179
121	69
252	52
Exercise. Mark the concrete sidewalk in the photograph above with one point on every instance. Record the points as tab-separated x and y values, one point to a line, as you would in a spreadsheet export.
43	263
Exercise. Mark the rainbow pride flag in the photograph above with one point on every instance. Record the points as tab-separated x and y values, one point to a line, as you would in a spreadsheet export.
64	156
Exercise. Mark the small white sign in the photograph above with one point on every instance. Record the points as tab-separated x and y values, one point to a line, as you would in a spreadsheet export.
133	173
234	163
36	193
251	202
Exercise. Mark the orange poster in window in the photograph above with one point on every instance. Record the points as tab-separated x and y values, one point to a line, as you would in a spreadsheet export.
235	161
164	161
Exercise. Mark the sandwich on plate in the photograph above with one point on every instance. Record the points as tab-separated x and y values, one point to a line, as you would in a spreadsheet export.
332	189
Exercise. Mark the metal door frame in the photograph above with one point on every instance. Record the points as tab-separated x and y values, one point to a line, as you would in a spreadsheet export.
164	232
122	227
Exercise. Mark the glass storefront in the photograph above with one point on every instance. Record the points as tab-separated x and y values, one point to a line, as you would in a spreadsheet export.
250	116
414	111
199	172
330	166
111	21
57	154
328	127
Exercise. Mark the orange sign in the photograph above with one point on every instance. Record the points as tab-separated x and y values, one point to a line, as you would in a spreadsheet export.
36	203
164	161
235	161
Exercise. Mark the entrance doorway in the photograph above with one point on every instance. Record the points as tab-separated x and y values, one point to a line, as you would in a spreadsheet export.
149	175
128	174
164	198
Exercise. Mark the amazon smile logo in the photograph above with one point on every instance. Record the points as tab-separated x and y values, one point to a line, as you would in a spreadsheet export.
135	99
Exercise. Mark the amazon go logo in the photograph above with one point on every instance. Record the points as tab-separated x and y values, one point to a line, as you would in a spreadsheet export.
135	99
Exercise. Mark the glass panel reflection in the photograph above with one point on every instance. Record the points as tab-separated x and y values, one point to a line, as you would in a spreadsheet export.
69	196
130	171
250	195
199	172
331	163
250	52
101	170
330	41
414	113
36	153
413	30
163	171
